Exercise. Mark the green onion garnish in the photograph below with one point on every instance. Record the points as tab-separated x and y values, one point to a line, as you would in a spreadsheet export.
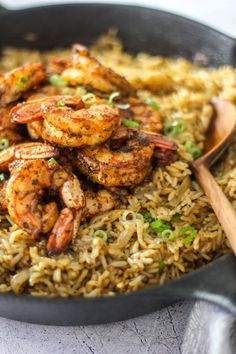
102	234
156	224
57	81
22	81
89	98
147	216
167	235
52	160
4	143
162	264
177	127
195	152
61	103
152	104
80	90
175	219
130	123
159	225
112	96
2	177
190	233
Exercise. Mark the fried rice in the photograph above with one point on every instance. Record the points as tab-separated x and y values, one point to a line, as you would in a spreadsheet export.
134	256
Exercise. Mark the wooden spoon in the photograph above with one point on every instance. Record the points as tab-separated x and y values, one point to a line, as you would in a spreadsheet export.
220	133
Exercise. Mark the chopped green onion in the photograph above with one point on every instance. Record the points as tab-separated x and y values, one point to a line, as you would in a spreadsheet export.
159	225
61	103
147	216
167	235
130	123
156	224
162	264
2	177
112	96
187	240
4	143
152	104
80	90
190	233
57	81
175	219
177	127
22	81
89	98
122	105
102	234
52	160
195	152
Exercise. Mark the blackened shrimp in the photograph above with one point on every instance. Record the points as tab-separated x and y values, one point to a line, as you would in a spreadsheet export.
99	202
28	194
26	151
16	154
125	160
136	110
3	201
85	70
9	132
18	81
68	120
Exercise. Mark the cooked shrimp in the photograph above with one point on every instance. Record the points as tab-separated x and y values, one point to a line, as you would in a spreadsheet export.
64	230
98	202
28	191
35	129
123	161
86	70
26	151
137	110
16	82
33	110
68	121
3	201
89	126
8	129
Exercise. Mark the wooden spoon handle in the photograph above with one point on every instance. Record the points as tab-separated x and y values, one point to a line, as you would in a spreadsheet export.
219	202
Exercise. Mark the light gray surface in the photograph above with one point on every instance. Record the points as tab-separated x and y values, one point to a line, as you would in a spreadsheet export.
161	332
158	333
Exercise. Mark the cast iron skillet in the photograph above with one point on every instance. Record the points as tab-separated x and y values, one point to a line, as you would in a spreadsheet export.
141	29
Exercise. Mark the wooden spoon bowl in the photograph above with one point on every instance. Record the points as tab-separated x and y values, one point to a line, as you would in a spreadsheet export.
219	136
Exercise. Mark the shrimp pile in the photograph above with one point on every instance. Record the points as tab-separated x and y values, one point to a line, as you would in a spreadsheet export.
75	140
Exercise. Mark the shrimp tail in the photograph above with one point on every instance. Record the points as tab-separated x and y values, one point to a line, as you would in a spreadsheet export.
63	231
159	140
164	157
165	150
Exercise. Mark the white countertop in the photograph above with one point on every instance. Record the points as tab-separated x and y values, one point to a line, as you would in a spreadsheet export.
158	333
